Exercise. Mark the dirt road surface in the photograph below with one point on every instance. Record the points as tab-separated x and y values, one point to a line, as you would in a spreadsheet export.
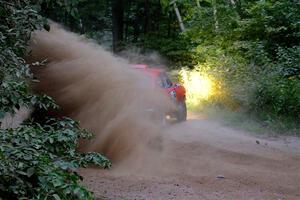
202	159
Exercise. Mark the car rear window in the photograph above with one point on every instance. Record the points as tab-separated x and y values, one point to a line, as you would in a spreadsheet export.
164	81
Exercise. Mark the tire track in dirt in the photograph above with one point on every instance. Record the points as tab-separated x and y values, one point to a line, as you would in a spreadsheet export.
194	154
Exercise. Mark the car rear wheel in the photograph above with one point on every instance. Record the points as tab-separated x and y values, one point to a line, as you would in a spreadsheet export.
181	111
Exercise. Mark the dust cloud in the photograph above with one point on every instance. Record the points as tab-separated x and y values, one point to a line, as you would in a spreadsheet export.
137	55
117	103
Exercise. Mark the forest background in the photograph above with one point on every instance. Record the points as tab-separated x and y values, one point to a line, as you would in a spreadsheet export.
248	50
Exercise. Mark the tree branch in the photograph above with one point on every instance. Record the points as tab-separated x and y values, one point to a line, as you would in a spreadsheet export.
7	3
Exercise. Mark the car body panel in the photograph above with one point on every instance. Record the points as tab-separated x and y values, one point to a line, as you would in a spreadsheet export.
176	92
159	77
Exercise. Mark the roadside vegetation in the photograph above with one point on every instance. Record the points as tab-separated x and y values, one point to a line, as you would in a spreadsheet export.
250	50
241	56
246	53
37	161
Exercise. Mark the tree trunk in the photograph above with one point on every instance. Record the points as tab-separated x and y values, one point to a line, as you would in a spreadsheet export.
136	27
147	16
198	3
236	4
128	22
214	4
178	16
117	24
169	25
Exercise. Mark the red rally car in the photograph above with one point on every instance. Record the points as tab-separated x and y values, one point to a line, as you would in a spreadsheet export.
176	91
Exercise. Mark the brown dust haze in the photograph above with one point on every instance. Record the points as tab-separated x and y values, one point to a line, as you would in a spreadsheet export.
101	91
111	99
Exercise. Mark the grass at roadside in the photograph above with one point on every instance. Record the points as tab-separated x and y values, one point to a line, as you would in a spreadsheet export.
259	123
252	123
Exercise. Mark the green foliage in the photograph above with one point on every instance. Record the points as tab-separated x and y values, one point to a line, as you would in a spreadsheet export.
287	61
16	94
177	52
37	161
18	20
86	17
254	55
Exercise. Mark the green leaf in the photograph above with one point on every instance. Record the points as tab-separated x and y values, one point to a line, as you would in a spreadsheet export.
57	182
56	197
46	27
2	115
30	171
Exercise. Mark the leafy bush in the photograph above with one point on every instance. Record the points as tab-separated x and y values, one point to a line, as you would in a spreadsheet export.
254	55
277	96
37	161
17	22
